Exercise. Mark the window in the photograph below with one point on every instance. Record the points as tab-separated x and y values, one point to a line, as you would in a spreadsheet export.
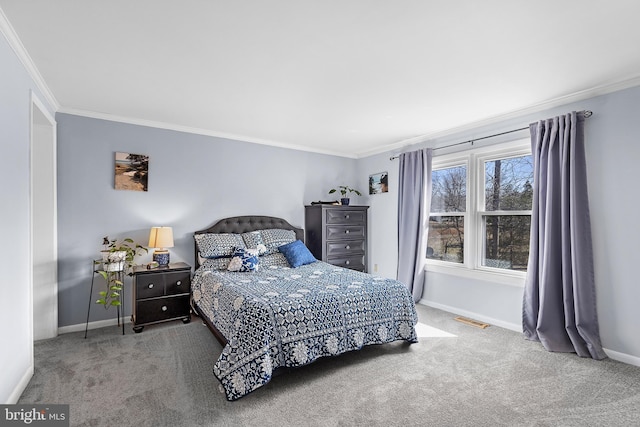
506	214
480	215
447	217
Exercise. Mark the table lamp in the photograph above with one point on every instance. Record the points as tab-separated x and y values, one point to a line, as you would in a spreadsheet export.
161	238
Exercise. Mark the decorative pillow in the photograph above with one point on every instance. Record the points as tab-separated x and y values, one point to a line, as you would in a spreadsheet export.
244	260
276	237
253	240
274	260
215	263
211	245
297	254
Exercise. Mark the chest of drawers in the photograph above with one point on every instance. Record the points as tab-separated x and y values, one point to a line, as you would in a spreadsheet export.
338	234
161	294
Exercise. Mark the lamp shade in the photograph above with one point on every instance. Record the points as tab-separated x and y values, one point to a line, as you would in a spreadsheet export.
161	237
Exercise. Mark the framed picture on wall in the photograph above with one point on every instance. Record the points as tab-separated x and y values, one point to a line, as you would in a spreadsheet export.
379	183
131	171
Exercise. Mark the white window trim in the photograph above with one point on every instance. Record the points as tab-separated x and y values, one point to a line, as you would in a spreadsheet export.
472	267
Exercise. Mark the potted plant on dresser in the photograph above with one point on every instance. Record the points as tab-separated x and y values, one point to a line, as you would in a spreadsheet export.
344	191
117	260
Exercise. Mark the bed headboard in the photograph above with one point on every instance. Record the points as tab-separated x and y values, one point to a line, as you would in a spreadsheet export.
246	223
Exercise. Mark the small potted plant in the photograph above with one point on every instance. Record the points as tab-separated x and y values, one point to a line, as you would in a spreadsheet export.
117	258
344	191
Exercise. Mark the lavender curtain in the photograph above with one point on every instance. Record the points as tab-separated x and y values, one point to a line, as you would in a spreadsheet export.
559	307
414	202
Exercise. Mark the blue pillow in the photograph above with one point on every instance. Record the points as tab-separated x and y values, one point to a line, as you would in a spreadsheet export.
297	254
244	260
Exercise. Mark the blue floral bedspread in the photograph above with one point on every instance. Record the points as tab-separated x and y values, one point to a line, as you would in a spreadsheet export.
282	316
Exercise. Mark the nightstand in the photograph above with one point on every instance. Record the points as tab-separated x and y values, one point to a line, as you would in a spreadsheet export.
161	294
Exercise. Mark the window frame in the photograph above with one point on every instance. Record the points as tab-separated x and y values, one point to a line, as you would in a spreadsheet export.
474	160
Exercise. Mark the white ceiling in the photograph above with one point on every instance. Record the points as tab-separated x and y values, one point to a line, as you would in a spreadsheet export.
346	77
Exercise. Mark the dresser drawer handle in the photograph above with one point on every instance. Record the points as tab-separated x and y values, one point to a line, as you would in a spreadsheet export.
178	283
347	247
346	216
346	231
150	285
347	262
164	308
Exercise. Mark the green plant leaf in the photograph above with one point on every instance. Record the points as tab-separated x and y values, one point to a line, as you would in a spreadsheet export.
101	301
115	303
102	293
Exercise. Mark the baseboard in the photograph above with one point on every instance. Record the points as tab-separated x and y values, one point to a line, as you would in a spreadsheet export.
92	325
615	355
486	319
21	386
622	357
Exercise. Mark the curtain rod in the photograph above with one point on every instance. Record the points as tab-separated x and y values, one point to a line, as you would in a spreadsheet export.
587	114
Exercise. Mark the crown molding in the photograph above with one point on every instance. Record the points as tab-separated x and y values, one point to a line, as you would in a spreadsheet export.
14	41
532	109
197	131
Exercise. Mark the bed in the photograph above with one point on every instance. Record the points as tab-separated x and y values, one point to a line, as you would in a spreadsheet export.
277	312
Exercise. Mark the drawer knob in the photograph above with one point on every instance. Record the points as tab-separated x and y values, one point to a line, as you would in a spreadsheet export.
346	231
164	308
347	262
150	285
347	247
347	216
178	283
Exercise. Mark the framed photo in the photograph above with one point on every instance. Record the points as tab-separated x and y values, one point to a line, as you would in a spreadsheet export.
131	171
379	183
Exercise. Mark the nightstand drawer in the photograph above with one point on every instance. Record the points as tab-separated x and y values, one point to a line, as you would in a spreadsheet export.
353	262
159	309
345	247
345	232
149	286
177	283
341	216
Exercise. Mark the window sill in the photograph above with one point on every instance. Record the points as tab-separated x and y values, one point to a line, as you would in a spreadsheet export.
488	275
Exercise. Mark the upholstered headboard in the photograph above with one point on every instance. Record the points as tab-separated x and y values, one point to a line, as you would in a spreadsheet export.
244	224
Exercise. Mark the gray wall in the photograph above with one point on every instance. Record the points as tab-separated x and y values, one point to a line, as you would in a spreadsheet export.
194	180
15	313
612	156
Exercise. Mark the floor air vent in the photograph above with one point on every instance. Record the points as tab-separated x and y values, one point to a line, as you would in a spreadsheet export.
471	322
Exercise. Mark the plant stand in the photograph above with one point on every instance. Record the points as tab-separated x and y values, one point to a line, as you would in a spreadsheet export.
119	313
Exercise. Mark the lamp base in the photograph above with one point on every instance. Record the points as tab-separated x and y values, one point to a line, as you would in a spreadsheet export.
161	257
